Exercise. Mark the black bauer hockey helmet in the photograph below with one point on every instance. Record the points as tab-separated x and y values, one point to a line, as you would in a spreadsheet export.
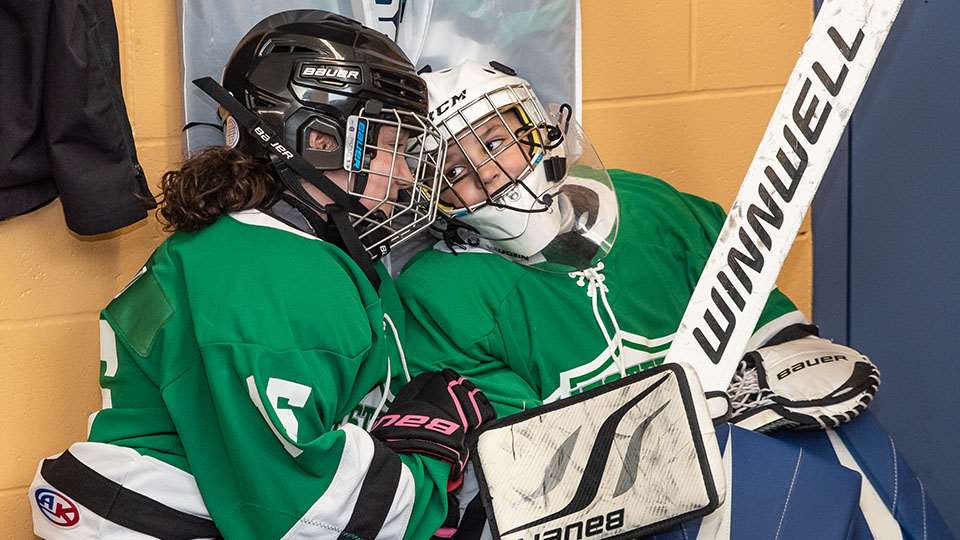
306	70
316	94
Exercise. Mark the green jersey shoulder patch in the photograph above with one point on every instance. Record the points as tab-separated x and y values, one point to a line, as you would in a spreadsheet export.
139	312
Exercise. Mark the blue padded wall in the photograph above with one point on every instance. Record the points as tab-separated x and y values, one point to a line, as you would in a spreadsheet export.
887	242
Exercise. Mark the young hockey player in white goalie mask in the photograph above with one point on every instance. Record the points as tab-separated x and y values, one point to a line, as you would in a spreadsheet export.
519	179
522	181
522	190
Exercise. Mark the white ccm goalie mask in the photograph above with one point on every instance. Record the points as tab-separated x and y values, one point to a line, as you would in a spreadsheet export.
518	179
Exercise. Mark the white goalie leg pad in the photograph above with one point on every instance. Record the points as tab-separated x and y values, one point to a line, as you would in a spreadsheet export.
803	384
630	458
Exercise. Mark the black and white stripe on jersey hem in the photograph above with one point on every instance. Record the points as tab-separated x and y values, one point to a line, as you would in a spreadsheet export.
120	505
371	494
376	494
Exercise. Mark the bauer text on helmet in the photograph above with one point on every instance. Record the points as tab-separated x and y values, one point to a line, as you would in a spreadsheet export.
348	101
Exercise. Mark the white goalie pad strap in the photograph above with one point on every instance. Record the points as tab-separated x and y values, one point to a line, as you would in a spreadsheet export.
808	383
627	459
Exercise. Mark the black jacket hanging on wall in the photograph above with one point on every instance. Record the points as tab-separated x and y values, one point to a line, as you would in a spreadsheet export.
64	129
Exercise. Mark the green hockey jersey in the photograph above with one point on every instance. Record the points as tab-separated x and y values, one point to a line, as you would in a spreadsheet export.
526	336
232	363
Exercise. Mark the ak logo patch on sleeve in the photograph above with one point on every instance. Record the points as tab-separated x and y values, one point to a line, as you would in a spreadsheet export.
57	507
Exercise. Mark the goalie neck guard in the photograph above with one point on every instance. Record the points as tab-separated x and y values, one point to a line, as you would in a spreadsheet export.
519	179
318	94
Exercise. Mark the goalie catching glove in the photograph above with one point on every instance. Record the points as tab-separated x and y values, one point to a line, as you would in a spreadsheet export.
803	384
431	415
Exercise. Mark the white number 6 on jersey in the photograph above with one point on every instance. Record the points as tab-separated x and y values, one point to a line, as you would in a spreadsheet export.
296	395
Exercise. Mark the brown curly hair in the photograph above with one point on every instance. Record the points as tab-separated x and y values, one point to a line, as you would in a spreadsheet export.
216	181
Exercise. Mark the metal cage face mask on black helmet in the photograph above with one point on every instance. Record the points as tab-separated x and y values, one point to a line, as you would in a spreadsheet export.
393	176
343	97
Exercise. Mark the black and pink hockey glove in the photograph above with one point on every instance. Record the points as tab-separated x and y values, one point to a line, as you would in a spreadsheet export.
432	415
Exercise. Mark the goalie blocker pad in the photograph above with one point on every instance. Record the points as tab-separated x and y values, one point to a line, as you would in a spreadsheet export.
627	459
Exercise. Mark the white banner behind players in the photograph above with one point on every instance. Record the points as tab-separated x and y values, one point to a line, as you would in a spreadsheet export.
540	38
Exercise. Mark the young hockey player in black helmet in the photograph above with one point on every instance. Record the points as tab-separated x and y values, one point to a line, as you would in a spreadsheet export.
245	363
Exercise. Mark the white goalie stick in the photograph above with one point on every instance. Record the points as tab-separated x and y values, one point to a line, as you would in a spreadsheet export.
780	183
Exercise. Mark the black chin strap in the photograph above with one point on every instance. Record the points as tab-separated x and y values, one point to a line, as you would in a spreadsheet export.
343	233
350	241
290	166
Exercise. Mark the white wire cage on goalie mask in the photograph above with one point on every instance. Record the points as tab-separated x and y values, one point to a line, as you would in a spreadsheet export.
519	179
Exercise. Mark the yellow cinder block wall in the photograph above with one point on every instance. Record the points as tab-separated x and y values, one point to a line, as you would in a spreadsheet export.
681	89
